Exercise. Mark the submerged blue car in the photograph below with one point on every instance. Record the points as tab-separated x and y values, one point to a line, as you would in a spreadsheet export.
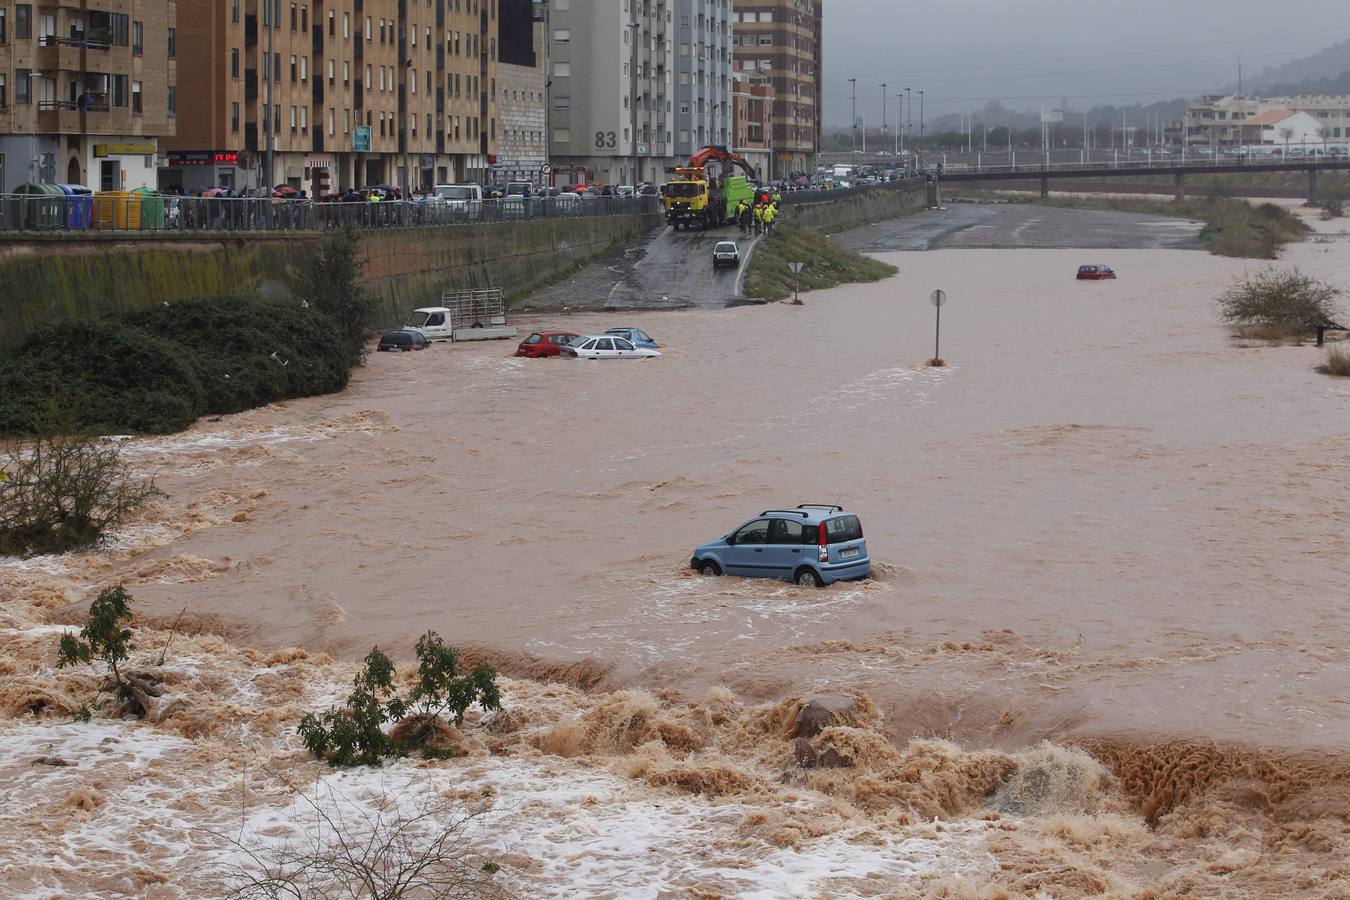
637	336
812	544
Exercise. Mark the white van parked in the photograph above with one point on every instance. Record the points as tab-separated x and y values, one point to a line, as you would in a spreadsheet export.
464	199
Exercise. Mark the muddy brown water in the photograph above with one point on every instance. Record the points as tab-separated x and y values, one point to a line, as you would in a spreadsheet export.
1104	518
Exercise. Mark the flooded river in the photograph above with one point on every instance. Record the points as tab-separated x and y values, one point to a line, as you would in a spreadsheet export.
1104	521
1102	517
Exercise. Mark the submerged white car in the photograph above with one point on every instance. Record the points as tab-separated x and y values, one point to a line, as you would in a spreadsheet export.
605	346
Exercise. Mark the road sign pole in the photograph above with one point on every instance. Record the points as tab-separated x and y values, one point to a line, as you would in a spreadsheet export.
937	336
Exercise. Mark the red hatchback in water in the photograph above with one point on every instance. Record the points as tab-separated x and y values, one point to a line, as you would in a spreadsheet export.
1095	273
545	343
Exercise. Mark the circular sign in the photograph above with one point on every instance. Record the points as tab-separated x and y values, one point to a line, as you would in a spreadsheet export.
938	297
545	169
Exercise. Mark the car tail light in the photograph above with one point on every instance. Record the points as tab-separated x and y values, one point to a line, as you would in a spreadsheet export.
824	549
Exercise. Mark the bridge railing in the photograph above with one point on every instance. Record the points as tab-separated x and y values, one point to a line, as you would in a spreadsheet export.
126	211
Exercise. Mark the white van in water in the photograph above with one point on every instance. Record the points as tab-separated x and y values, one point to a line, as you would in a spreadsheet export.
433	322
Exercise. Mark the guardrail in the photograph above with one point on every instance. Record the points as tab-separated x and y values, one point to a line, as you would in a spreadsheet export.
28	213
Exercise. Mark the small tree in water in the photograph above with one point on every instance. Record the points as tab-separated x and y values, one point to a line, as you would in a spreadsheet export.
104	637
332	283
1288	300
353	735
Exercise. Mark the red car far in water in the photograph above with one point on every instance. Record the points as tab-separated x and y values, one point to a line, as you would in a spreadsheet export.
545	343
1095	273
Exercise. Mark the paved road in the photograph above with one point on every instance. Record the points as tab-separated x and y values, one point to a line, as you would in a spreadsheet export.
667	270
1017	226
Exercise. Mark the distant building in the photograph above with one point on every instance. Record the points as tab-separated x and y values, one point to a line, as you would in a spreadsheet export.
752	111
610	91
1282	126
362	93
1227	121
86	94
702	114
522	145
779	40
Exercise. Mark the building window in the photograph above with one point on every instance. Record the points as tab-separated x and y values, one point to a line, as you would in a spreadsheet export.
562	69
234	62
293	70
346	73
346	26
173	42
234	117
234	11
562	101
23	30
562	136
304	119
562	35
276	118
173	100
332	122
4	92
137	38
331	71
135	98
4	33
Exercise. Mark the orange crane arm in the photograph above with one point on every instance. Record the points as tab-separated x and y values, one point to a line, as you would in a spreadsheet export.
723	155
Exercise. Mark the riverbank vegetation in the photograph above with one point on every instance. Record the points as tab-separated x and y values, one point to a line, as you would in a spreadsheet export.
1275	305
157	370
1338	363
769	275
1231	227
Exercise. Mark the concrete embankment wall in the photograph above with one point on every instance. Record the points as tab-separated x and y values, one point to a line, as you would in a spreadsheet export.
836	211
68	276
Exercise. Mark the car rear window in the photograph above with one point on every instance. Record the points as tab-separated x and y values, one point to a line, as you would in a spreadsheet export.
843	528
397	337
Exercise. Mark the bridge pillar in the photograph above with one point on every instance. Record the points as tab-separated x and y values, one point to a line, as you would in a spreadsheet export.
1312	186
1045	186
1179	179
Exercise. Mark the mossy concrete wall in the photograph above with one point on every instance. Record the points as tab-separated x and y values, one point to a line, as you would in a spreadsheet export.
834	211
67	276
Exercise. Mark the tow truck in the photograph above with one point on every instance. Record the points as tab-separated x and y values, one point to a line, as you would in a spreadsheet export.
696	199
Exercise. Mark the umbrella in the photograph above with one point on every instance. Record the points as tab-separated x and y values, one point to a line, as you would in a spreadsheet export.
285	190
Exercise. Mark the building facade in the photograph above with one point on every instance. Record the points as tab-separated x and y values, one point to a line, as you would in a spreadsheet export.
86	95
610	90
1227	121
522	147
779	40
702	113
347	93
752	117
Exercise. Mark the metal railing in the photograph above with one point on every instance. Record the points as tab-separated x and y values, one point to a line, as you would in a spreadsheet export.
167	213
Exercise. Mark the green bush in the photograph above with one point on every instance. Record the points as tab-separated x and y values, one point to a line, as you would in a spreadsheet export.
354	734
827	264
332	283
159	369
63	492
1288	300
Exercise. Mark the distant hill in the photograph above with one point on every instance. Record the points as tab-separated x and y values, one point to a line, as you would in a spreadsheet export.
1325	72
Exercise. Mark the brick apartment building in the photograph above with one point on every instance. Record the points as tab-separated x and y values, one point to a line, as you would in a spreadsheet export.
752	109
363	92
86	94
779	40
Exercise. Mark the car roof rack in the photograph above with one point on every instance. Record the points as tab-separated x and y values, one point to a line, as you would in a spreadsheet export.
788	512
829	506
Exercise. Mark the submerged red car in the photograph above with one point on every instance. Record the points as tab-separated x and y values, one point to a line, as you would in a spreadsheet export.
545	343
1095	273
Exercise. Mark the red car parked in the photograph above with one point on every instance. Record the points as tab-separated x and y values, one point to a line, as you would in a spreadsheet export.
1095	273
545	343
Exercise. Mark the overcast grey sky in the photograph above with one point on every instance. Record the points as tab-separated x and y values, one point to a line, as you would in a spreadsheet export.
1032	53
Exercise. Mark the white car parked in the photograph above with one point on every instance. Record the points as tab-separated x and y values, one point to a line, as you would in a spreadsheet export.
606	346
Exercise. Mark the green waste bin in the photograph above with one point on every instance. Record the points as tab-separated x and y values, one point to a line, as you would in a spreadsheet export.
152	209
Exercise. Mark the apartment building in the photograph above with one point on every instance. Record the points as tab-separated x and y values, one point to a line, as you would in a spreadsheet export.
522	146
610	90
752	116
703	113
86	95
779	40
1225	121
347	93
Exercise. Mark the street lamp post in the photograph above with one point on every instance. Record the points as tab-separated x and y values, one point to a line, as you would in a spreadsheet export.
883	117
632	97
909	116
921	117
853	122
899	125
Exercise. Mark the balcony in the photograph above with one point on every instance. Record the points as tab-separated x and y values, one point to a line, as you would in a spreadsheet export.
317	91
250	31
317	42
250	84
